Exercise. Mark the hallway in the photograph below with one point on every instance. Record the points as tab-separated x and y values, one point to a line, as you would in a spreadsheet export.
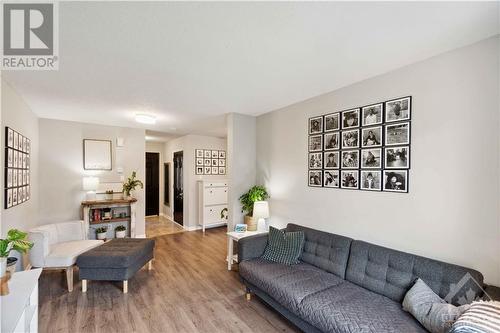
160	225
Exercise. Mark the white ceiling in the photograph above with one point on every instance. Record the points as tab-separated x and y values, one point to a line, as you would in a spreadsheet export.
189	63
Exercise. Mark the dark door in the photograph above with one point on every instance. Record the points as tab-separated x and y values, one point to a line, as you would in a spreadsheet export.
178	188
152	184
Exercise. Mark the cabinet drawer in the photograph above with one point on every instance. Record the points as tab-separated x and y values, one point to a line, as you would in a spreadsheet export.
216	184
215	195
213	213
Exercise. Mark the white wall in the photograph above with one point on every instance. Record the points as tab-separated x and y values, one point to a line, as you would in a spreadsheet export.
188	144
17	114
61	165
158	147
451	212
241	138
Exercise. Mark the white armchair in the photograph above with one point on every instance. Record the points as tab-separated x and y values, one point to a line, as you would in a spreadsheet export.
56	246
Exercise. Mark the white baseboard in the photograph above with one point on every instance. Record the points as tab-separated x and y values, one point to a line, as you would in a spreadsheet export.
140	236
192	228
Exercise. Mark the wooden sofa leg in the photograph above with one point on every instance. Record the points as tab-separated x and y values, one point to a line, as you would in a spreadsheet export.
69	278
84	286
248	296
125	286
150	265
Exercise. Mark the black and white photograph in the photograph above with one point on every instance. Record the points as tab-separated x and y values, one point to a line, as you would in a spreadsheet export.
396	181
397	158
9	177
21	142
208	162
16	159
222	154
16	140
14	178
215	170
316	125
199	161
28	148
315	178
350	159
350	118
332	141
315	160
199	153
371	180
315	142
331	160
331	178
222	170
398	109
8	198
349	179
215	154
215	162
371	158
222	162
332	122
207	153
397	134
208	170
24	160
371	137
371	114
20	178
10	158
350	139
28	192
10	137
199	170
14	196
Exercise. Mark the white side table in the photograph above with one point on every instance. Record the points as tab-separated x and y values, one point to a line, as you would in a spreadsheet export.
236	236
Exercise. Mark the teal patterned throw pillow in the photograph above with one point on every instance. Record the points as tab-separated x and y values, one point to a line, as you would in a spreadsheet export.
284	247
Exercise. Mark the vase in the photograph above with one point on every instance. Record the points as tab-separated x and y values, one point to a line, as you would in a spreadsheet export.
121	234
11	264
251	223
3	266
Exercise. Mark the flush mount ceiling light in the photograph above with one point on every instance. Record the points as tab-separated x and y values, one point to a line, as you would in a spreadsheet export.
145	118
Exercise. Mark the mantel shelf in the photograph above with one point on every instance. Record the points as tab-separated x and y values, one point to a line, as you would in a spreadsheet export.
108	202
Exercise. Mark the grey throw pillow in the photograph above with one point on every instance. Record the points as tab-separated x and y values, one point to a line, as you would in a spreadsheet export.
429	309
284	247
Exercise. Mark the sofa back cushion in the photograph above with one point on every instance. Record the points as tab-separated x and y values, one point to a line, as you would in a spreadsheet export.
70	231
324	250
391	273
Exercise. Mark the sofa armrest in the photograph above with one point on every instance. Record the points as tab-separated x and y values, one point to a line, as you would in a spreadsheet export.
491	293
251	247
40	247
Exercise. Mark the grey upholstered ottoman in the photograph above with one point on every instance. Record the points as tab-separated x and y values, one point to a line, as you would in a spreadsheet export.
116	260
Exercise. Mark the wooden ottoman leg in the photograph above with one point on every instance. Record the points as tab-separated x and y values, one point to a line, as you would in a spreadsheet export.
125	286
84	286
69	278
150	265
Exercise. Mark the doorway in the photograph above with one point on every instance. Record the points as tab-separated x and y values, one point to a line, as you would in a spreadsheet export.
152	184
178	188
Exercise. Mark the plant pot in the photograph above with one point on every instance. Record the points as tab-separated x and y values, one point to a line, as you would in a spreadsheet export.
251	223
11	264
121	234
101	236
3	266
109	196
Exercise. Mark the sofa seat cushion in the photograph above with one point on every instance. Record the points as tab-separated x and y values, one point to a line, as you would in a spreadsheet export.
348	308
117	253
288	285
64	254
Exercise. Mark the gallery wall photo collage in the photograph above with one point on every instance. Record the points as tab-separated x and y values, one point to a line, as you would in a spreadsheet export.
364	148
210	162
17	168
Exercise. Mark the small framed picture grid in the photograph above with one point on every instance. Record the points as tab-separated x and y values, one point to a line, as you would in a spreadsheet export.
17	168
210	162
364	148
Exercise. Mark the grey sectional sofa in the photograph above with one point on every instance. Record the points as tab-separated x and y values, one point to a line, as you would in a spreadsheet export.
345	285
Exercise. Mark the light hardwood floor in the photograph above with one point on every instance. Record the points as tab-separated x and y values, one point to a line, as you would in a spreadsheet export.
160	225
188	290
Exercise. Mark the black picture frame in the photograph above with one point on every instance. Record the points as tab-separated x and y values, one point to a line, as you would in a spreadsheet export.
17	171
213	162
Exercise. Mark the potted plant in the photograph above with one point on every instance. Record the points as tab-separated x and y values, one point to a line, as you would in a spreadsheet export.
131	184
101	232
109	195
256	193
120	231
16	240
